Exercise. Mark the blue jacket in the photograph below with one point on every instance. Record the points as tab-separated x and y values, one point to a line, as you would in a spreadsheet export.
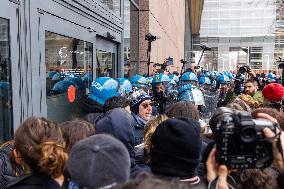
119	123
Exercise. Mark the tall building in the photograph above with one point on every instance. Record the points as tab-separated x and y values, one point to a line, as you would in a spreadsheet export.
165	19
240	32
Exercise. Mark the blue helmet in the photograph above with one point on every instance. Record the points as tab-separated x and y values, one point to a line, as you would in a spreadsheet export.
189	76
271	76
103	88
58	77
174	77
50	74
207	74
160	78
190	93
63	86
223	79
125	86
77	82
205	80
138	80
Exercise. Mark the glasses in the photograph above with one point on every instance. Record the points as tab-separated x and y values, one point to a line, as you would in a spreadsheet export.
145	106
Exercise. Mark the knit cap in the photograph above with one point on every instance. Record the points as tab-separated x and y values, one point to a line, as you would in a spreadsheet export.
273	92
176	148
99	161
136	103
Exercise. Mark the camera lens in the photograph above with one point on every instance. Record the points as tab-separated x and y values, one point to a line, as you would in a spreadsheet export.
248	134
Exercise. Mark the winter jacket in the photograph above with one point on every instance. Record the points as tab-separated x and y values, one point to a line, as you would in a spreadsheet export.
139	128
9	171
120	124
258	97
35	182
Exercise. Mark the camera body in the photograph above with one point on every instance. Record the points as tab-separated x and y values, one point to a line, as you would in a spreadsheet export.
244	69
150	37
240	141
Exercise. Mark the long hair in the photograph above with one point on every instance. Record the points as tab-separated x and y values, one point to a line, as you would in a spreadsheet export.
41	146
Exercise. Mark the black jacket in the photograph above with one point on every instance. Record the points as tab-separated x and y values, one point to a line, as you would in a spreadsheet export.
120	124
35	182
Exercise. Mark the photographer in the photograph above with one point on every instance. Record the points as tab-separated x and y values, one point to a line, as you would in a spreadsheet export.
254	178
240	78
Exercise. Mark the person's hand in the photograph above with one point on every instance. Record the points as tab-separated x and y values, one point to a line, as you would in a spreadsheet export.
223	173
251	73
211	166
213	170
277	156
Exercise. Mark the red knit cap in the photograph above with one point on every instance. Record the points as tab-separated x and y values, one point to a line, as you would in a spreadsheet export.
273	92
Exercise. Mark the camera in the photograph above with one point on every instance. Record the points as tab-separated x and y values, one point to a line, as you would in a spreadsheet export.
150	37
244	69
239	139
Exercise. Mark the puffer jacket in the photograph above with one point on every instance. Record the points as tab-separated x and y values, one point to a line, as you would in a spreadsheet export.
9	171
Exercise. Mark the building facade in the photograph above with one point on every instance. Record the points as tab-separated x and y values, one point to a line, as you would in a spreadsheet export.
165	19
52	50
47	44
240	32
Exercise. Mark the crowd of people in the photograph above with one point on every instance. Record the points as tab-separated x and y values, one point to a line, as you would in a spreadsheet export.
157	132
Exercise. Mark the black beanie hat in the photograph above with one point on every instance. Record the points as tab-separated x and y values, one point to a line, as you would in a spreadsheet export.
176	148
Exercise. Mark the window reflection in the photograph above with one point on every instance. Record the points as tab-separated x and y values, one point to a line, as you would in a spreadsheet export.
105	64
5	83
68	72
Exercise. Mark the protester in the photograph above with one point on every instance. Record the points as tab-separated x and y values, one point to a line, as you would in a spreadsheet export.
175	152
11	166
76	130
113	102
274	96
183	109
99	161
153	182
251	88
141	109
148	132
40	144
279	116
119	123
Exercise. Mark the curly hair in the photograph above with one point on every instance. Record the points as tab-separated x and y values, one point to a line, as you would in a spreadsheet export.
41	146
148	132
279	116
255	178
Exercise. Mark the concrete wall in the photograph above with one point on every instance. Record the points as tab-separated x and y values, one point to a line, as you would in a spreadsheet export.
166	18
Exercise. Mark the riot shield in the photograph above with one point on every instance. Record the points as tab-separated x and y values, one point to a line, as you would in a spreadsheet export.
211	101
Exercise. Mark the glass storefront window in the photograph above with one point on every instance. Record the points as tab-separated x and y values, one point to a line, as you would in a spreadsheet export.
113	5
105	63
68	75
5	83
